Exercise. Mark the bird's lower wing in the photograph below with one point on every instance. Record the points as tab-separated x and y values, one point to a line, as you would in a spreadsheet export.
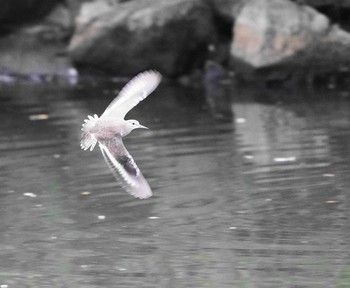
124	168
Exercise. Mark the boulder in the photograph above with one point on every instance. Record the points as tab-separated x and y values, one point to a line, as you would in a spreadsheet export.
320	3
75	5
270	33
226	10
18	12
124	38
54	27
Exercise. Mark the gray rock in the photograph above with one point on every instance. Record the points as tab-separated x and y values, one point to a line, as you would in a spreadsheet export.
61	17
226	9
275	32
21	53
319	3
124	38
56	26
18	12
75	5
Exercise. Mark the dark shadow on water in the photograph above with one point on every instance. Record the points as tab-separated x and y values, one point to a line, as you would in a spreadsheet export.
257	200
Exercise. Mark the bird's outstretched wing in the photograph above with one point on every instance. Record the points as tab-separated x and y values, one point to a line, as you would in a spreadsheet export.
133	92
124	167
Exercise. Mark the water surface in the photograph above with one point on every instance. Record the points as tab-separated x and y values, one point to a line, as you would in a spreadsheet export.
247	192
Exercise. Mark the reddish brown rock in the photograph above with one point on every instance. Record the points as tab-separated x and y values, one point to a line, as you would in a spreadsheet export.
272	33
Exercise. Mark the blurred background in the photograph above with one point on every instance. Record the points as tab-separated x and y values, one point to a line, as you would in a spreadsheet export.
247	153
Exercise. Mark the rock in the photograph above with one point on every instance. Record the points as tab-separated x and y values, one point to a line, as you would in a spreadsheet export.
61	17
75	5
227	10
124	38
320	3
21	53
269	33
57	25
18	12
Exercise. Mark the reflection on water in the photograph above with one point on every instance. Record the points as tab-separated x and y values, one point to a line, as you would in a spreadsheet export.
258	200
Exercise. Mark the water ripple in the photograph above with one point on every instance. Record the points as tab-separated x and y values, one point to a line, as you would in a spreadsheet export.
260	200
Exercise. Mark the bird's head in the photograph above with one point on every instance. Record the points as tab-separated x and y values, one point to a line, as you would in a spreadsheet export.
133	124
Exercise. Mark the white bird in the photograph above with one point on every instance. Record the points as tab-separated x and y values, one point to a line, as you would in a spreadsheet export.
109	129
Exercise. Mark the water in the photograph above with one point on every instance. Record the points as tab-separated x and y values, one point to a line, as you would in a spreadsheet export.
247	193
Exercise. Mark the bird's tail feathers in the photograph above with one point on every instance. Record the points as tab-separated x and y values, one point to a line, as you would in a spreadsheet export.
88	140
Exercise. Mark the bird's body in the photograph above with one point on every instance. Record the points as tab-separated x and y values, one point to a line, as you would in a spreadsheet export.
109	129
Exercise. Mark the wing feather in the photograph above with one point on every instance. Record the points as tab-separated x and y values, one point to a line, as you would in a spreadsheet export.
124	168
133	92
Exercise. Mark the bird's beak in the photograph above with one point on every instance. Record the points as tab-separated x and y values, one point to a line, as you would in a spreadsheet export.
143	127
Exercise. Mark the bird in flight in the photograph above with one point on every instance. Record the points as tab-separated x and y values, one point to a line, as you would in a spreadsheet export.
109	129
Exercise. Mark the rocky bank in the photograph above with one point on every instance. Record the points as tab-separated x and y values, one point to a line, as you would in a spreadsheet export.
274	39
